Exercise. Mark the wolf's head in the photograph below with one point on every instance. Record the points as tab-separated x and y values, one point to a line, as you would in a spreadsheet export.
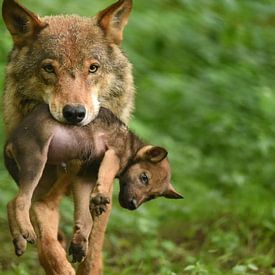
72	63
148	177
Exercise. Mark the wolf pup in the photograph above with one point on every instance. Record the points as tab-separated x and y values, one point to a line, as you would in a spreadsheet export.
143	170
75	65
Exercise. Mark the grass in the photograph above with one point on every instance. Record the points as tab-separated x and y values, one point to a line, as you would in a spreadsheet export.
205	82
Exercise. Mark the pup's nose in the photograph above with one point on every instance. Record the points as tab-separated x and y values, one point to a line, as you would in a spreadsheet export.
133	204
74	114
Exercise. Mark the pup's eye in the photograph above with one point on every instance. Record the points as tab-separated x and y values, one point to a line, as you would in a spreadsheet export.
93	68
143	178
48	68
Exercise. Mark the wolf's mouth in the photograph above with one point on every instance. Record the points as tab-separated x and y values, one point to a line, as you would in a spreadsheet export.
77	119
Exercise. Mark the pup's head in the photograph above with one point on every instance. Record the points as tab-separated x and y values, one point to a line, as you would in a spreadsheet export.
146	178
72	63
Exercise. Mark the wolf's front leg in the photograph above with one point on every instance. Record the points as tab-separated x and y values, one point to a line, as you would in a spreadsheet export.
82	188
108	170
52	255
93	265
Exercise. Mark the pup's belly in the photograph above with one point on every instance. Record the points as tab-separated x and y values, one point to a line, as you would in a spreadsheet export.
68	145
65	147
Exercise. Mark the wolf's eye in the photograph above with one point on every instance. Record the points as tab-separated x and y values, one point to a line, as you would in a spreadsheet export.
93	68
143	178
48	68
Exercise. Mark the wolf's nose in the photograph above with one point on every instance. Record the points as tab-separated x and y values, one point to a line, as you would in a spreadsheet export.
74	114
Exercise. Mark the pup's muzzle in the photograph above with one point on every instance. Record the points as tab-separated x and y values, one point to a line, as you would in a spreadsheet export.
128	201
130	204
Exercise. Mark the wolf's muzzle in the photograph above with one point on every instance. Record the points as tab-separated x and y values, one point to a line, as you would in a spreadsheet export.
74	114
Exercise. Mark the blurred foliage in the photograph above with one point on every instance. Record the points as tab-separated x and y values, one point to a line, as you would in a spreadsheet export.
205	82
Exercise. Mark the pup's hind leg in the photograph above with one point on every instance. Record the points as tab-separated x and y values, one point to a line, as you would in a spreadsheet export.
30	173
83	220
18	241
31	158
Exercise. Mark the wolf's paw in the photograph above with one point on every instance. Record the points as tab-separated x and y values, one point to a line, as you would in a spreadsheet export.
20	245
98	204
78	249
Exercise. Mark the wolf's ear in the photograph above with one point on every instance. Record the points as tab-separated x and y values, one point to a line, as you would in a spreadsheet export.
155	154
21	23
113	19
171	193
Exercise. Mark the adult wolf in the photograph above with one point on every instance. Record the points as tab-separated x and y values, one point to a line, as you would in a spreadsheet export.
75	65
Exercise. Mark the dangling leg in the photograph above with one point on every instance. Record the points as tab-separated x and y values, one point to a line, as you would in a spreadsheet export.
108	170
51	254
82	188
27	171
19	242
30	172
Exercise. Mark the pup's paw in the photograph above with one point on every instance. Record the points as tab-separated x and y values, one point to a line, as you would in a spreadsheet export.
20	245
98	204
29	235
78	248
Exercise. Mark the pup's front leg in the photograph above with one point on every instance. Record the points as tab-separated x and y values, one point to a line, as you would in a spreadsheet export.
108	170
83	221
99	203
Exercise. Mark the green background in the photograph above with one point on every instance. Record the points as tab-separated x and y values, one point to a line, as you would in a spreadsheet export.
205	78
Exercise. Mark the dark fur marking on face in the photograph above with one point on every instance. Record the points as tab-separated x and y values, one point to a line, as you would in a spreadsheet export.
26	105
115	93
120	77
110	50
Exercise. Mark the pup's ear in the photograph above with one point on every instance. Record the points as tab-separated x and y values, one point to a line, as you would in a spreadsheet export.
21	23
155	154
113	19
171	193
